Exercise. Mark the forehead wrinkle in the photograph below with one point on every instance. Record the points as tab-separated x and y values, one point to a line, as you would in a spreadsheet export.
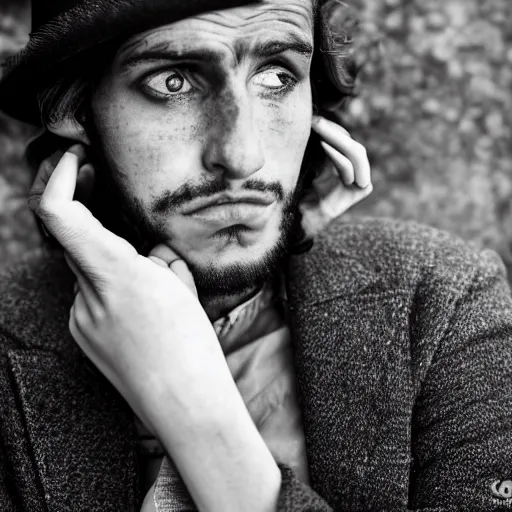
302	11
298	16
232	19
233	52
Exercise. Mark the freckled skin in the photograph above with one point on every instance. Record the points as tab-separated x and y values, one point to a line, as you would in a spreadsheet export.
229	127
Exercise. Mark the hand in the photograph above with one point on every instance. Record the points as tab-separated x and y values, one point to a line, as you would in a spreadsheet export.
342	183
139	322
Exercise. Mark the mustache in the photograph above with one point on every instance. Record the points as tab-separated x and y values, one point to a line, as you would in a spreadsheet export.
169	202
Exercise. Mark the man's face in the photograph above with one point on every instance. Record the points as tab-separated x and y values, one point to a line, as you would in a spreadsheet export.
204	124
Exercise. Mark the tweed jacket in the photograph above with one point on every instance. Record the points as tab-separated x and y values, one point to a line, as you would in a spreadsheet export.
403	353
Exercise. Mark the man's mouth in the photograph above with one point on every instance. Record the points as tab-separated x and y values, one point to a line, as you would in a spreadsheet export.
229	199
252	215
251	210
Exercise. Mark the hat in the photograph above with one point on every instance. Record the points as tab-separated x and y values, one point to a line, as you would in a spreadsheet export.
63	29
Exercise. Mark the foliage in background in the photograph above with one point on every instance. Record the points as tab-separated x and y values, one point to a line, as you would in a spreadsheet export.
434	110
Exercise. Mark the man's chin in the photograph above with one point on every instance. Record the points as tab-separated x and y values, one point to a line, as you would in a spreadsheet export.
236	275
241	239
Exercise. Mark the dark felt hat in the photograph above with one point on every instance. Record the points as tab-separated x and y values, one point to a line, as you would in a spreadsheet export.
63	29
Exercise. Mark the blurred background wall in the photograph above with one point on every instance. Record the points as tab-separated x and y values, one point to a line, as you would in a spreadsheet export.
434	110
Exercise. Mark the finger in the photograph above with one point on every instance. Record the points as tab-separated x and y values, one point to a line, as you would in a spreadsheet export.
180	268
91	246
158	261
342	198
85	179
84	287
44	172
317	119
164	254
353	196
79	323
62	182
337	138
342	164
79	310
85	183
81	280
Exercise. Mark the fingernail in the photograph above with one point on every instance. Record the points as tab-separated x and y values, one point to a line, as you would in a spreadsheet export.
77	150
85	170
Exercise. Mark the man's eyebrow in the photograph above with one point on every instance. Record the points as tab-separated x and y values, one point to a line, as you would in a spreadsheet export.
271	48
158	53
265	49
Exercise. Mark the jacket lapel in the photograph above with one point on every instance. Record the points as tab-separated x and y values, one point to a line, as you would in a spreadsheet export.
80	433
351	360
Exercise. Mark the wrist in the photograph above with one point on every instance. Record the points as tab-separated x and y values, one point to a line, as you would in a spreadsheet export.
224	461
198	394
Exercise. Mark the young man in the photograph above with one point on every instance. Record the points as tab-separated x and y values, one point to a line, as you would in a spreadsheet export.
204	365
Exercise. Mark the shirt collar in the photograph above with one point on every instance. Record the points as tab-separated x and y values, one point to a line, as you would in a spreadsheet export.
241	317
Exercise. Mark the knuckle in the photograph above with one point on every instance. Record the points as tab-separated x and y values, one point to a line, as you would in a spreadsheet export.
74	329
74	234
100	316
81	318
361	151
72	325
46	209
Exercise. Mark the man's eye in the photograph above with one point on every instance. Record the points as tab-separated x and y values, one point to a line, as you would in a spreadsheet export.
274	79
167	84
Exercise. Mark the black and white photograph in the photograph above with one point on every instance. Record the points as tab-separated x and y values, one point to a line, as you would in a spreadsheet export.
255	255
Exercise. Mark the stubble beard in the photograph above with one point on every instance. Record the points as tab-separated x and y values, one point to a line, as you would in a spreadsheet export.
213	282
125	215
237	278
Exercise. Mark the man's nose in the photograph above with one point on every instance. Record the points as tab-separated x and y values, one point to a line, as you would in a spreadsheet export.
234	147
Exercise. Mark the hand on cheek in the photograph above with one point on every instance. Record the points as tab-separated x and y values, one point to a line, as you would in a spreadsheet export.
137	319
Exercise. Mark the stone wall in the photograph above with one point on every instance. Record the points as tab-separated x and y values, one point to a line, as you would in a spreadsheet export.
434	110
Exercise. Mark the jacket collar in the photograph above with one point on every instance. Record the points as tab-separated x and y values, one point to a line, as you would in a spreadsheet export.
346	348
82	435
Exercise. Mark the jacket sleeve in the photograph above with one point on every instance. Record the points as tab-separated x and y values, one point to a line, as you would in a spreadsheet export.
296	496
462	435
462	419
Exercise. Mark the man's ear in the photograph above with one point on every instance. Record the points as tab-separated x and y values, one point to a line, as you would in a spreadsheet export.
70	128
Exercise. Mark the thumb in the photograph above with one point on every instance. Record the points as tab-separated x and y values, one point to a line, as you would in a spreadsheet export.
164	256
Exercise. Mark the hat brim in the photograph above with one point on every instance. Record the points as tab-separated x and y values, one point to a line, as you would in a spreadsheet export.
79	29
